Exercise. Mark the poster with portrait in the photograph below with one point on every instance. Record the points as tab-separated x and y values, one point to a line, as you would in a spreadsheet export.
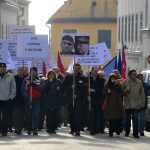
74	44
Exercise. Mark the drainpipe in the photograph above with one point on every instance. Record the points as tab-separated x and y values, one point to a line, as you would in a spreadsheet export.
19	16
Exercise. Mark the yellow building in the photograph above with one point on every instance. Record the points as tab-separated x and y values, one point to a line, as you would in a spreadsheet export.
98	18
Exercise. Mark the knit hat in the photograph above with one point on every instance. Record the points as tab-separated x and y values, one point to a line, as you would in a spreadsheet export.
3	65
33	68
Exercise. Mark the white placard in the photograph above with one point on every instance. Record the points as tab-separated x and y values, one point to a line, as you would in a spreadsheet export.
24	29
12	48
106	54
32	46
3	51
94	57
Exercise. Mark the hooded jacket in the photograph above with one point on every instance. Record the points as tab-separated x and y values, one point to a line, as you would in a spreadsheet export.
7	87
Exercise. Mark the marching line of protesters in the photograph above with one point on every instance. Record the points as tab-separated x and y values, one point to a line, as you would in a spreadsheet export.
92	102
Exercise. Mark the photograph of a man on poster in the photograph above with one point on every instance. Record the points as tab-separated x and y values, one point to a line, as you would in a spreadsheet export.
67	45
82	44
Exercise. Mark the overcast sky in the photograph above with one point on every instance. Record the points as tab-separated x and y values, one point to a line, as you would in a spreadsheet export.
40	11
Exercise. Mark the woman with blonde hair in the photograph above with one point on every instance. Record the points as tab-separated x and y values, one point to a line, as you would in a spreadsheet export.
114	110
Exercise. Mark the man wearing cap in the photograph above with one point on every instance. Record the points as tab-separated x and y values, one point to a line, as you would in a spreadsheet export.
67	45
7	94
32	93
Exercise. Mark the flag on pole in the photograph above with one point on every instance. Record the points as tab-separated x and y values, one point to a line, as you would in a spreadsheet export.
60	65
123	63
116	64
70	67
119	62
108	68
44	69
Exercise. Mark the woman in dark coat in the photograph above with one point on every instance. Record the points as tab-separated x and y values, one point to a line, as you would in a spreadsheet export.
51	101
114	110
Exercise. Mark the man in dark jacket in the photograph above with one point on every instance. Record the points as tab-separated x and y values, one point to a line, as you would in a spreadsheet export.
19	102
76	91
96	119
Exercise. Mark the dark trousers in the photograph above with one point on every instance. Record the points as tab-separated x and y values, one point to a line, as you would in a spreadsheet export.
4	113
19	115
52	120
76	117
32	118
132	114
96	120
114	126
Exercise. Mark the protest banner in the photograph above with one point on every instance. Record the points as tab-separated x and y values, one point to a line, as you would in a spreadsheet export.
104	49
94	58
32	46
16	30
3	51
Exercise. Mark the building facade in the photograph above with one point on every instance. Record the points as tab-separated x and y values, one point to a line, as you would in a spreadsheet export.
98	18
12	12
134	30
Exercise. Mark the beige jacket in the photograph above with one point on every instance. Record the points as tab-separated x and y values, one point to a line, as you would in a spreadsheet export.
135	98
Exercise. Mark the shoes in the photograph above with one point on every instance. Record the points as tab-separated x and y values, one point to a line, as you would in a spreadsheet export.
110	135
135	136
71	132
142	134
29	132
126	135
118	132
35	132
92	133
101	131
77	133
4	134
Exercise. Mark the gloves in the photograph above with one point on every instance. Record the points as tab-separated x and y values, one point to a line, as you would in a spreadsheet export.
33	84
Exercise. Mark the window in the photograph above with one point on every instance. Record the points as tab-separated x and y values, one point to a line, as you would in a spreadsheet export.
119	29
69	31
122	29
132	28
125	30
129	28
146	13
105	36
141	25
136	27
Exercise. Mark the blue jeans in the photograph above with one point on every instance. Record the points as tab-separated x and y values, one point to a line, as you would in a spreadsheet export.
141	121
33	112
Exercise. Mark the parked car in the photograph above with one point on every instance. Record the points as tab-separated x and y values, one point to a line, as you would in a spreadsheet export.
146	74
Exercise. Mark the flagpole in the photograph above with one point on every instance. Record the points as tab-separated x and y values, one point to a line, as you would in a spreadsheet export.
73	84
31	87
89	83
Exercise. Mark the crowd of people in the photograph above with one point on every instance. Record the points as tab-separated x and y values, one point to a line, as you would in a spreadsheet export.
92	102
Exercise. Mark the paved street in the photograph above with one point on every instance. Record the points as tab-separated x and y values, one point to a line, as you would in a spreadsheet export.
64	141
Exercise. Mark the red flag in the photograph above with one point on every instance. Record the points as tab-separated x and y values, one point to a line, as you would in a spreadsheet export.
60	65
44	69
123	63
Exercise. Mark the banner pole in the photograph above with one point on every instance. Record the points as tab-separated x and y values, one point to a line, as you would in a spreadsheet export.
73	82
89	83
